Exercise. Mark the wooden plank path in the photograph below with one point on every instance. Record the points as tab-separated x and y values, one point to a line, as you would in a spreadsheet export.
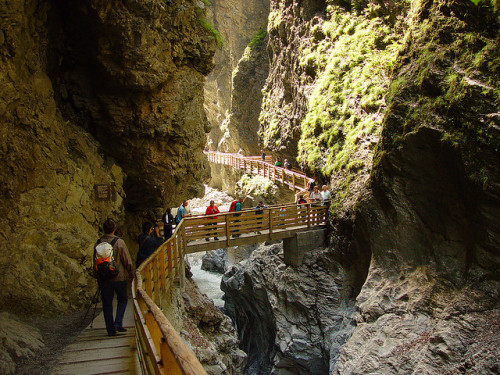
94	352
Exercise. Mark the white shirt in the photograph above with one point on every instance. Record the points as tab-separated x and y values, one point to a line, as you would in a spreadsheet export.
326	195
315	196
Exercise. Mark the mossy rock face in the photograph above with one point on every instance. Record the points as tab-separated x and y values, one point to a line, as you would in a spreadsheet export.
325	104
259	187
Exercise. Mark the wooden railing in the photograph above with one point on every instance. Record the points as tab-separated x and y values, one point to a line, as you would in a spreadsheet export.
161	349
296	181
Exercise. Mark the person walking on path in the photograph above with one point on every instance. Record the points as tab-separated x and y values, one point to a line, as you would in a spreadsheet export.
212	209
168	222
181	212
147	243
118	284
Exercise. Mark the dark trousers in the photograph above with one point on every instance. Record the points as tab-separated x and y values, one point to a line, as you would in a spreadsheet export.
107	293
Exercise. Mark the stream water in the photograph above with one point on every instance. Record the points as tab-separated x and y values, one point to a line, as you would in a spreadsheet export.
208	282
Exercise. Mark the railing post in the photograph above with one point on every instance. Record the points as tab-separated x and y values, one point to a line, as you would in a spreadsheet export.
169	255
283	176
227	229
163	278
309	215
274	173
270	223
293	181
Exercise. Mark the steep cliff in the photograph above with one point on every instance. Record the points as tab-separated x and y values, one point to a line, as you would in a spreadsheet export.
233	90
430	222
92	92
396	105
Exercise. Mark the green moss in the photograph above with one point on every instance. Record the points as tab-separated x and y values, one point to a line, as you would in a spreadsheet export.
257	186
347	102
215	35
258	38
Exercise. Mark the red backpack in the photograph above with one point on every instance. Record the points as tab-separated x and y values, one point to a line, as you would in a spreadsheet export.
233	206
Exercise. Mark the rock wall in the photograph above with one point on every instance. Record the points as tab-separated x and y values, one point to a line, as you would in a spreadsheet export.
233	89
289	320
396	105
431	300
92	92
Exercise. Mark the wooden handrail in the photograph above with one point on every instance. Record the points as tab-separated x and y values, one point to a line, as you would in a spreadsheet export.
296	181
161	350
160	347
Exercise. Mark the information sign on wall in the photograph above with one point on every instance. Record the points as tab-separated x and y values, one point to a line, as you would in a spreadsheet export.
102	192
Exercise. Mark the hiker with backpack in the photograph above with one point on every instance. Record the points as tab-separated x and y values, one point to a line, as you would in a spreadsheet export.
236	205
147	243
112	268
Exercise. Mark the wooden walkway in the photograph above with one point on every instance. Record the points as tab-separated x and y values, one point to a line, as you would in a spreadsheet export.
296	180
95	353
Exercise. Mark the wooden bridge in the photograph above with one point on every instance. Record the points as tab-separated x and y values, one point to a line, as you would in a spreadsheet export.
159	347
295	180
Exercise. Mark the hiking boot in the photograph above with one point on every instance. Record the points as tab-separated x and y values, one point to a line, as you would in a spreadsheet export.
121	329
207	239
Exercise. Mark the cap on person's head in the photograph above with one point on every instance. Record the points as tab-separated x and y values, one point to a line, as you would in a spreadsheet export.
324	186
109	226
146	226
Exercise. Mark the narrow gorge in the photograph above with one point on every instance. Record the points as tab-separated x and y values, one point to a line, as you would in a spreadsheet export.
394	106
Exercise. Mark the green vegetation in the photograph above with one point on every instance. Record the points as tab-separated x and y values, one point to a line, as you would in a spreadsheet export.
353	63
215	35
258	38
257	186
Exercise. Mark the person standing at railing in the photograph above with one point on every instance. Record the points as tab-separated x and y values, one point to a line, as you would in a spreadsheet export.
315	196
181	212
212	209
259	210
262	155
118	284
236	206
147	243
326	196
168	223
277	163
287	165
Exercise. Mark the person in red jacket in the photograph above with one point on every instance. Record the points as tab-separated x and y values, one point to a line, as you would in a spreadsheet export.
212	210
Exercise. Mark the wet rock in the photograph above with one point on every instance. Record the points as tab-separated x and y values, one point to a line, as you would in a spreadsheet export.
214	261
288	319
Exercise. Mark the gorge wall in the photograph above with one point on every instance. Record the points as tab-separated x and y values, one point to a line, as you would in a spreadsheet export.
396	106
233	89
92	92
